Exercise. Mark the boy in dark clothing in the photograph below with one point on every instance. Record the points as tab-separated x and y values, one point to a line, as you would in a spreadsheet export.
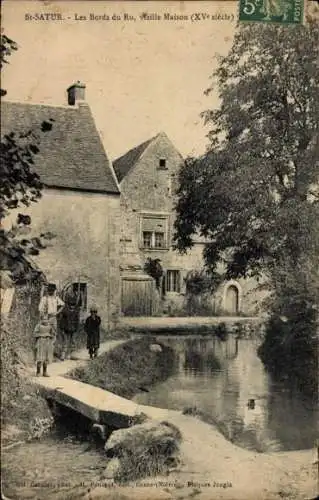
92	329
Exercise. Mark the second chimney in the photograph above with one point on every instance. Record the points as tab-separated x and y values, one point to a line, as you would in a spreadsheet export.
76	92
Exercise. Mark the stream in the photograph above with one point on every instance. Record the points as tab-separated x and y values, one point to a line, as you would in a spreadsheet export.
218	378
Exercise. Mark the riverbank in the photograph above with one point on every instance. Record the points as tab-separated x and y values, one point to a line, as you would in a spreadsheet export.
227	471
25	413
211	467
188	324
128	368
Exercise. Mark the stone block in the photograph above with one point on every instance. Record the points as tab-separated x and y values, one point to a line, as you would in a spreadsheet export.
145	449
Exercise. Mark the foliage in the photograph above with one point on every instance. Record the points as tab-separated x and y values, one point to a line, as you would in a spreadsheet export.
20	402
221	331
7	46
154	268
255	193
200	282
20	184
200	285
290	346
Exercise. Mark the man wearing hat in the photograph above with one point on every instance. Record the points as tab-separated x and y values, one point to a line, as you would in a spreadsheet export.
50	306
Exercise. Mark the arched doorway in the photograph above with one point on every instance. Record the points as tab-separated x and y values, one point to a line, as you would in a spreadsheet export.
232	300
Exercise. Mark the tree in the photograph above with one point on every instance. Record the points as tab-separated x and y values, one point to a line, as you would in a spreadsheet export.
261	171
19	183
254	195
7	46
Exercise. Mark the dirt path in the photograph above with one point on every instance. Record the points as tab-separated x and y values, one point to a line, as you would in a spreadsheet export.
210	458
79	358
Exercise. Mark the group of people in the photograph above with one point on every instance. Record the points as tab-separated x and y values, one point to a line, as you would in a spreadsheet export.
63	315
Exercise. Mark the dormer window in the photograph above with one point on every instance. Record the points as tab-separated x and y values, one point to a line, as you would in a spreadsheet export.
162	164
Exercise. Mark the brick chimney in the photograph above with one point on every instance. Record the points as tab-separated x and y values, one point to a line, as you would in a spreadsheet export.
76	93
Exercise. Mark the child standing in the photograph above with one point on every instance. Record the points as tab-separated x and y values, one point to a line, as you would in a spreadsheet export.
44	335
92	329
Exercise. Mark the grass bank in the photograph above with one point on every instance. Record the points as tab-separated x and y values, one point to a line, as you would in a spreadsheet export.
24	413
129	368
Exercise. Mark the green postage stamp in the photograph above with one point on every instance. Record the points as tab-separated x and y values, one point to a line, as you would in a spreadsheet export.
272	11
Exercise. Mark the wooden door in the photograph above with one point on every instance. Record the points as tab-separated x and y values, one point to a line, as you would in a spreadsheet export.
137	297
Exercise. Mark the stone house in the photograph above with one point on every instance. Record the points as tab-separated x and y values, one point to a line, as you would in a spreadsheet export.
80	204
148	176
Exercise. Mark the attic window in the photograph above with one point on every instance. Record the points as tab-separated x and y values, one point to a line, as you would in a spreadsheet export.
162	164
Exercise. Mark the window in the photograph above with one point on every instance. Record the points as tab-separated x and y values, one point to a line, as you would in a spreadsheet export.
153	239
162	164
81	288
154	232
173	281
159	240
147	239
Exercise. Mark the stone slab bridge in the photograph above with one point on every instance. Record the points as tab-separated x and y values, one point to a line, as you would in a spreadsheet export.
103	408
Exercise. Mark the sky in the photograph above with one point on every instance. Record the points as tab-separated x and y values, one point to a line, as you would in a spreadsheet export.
142	77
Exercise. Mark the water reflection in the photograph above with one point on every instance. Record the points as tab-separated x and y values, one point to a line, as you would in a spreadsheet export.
219	378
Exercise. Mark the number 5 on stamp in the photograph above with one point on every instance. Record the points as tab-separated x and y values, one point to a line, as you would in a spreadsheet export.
272	11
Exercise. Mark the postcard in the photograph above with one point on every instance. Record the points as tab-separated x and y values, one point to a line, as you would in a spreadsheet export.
159	249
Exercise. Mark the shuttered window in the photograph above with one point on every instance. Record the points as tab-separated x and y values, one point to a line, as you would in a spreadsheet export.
173	281
147	239
159	240
154	232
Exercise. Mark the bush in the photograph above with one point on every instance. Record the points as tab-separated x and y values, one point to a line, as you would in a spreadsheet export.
21	403
199	289
221	331
290	348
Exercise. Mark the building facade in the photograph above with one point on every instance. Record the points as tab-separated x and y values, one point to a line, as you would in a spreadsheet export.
77	218
148	177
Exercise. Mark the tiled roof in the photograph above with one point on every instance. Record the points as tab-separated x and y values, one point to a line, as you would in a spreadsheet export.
123	164
71	154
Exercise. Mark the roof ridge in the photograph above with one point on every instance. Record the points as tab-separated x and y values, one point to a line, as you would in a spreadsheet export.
144	143
123	164
24	103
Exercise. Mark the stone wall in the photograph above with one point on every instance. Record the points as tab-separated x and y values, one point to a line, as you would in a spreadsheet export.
85	246
146	186
149	190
